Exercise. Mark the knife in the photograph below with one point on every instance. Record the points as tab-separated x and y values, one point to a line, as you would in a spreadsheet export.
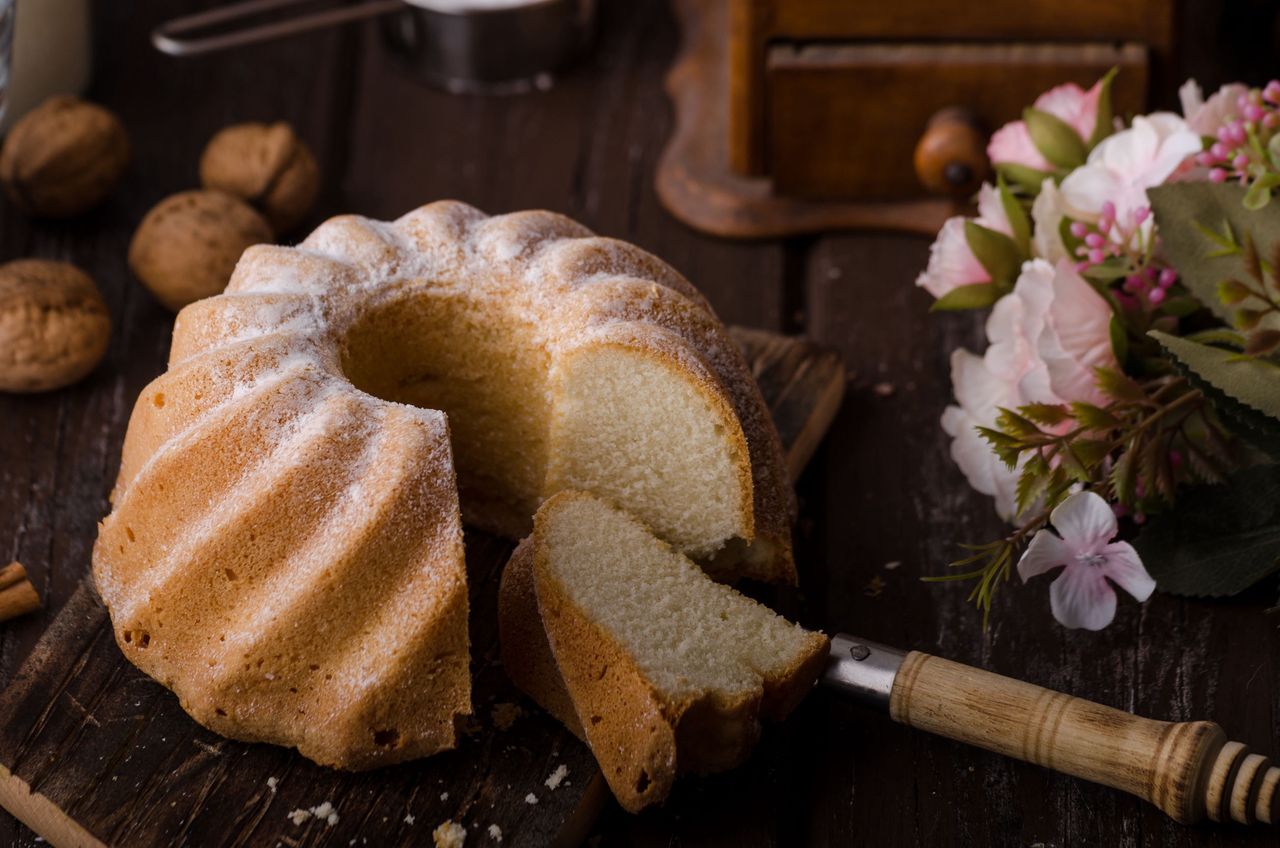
1187	769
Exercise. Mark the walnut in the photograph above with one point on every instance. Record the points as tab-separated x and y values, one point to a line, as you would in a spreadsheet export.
267	165
54	326
187	246
63	158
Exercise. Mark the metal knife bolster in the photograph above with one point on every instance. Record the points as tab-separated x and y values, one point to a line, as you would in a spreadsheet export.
863	670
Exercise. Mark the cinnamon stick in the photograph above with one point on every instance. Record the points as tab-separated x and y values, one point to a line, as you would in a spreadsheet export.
17	595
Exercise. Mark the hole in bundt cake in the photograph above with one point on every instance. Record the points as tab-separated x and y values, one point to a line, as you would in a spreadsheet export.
231	575
442	348
595	719
139	637
603	417
642	782
128	531
386	738
219	711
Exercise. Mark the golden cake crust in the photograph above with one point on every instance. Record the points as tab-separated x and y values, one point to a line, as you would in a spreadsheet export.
262	496
575	669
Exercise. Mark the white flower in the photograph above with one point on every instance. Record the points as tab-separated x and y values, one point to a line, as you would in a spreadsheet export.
1046	338
1082	595
1047	213
1123	166
1206	117
991	212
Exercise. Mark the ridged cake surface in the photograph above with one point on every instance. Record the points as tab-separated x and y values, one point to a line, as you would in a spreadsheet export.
285	545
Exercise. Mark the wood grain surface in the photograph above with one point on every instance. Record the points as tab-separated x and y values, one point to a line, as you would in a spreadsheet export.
880	491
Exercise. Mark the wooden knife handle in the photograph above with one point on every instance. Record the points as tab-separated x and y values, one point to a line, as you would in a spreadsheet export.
1187	769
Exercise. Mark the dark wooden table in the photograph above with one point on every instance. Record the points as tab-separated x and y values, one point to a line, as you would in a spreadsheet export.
882	489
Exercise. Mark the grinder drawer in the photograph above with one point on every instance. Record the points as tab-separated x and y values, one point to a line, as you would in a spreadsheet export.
843	120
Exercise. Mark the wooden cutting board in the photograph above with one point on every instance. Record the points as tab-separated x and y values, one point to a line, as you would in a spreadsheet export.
93	752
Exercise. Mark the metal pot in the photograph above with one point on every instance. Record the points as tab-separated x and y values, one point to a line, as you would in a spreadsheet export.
485	46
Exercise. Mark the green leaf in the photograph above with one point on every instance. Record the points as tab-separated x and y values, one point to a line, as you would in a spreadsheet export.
1032	482
1027	180
974	296
1048	414
1218	336
1259	193
1246	390
1004	445
996	252
1108	270
1054	138
1094	417
1180	307
1102	127
1233	292
1116	384
1273	151
1219	540
1017	215
1090	452
1124	476
1119	339
1194	218
1014	424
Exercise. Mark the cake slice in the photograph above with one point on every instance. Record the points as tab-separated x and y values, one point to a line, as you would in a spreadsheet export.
657	667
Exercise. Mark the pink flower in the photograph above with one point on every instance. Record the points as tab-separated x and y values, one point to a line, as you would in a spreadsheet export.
1123	166
1075	333
1012	145
1074	106
951	262
1082	595
1206	117
1046	338
1069	103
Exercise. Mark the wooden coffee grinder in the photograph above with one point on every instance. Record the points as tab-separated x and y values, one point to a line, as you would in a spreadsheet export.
805	115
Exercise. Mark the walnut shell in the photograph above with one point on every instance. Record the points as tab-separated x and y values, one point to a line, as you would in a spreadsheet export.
266	165
188	244
54	326
63	158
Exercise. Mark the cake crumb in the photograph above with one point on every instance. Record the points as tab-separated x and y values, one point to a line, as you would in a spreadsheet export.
890	566
449	834
557	777
444	796
326	812
874	587
505	714
272	783
531	798
495	833
409	818
884	390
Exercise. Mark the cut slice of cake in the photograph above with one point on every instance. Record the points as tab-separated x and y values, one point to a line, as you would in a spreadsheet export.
628	643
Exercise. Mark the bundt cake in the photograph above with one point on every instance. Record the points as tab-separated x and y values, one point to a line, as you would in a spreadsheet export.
285	547
660	669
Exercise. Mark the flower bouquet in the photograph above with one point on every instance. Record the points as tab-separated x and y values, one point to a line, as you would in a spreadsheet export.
1131	384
